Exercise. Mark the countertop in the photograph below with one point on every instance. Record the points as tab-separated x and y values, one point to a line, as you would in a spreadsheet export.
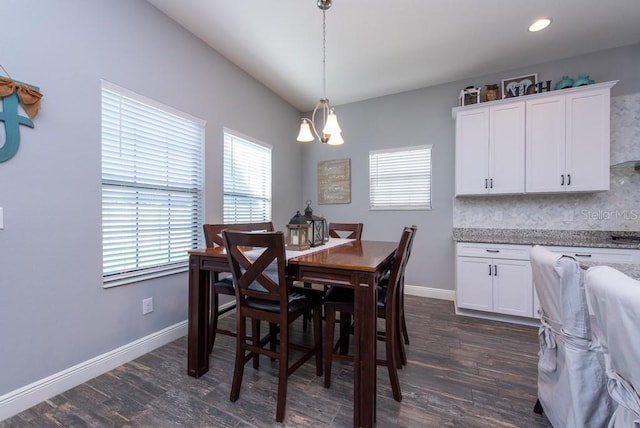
561	238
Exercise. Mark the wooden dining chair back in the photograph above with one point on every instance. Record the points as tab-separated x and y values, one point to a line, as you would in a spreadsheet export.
346	230
342	300
224	285
263	293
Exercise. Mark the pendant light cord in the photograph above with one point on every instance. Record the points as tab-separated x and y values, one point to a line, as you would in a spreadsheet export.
324	54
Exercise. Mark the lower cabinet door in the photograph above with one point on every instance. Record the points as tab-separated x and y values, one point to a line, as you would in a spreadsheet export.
474	283
512	290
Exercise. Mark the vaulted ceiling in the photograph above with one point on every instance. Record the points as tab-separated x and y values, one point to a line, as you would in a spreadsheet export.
379	47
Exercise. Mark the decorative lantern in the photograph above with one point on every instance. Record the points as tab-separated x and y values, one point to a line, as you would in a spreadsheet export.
469	95
318	227
298	231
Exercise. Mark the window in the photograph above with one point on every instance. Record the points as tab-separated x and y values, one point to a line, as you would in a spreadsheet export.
247	180
400	179
152	187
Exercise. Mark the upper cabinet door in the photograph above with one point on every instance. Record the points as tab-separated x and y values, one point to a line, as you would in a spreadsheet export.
545	147
506	148
472	151
587	141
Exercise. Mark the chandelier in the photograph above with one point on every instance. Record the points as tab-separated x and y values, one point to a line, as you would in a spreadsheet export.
331	132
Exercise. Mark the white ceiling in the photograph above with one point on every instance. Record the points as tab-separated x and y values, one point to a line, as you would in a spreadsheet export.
378	47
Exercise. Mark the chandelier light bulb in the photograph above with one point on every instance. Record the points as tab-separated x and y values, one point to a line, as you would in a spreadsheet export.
335	139
305	135
331	127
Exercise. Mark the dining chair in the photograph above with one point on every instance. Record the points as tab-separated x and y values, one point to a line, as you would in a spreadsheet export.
263	293
344	231
402	319
615	301
342	300
224	284
572	389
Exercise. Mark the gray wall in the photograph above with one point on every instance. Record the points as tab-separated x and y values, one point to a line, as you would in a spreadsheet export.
54	312
424	117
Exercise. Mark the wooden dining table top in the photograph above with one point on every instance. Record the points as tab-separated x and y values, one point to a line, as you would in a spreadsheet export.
365	256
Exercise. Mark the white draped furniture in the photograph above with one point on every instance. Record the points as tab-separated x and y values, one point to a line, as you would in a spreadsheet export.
615	301
571	376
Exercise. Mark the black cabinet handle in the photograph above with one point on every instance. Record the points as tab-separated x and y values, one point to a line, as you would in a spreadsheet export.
568	179
491	183
492	251
485	184
495	270
562	180
489	270
582	255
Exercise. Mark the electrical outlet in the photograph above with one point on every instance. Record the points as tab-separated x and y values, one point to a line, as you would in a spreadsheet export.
1	218
147	306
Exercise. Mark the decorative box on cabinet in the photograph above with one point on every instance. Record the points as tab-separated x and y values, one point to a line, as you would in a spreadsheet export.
567	140
490	150
494	278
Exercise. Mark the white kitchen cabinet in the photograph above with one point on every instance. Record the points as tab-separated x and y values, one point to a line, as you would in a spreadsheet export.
490	149
494	278
550	142
567	141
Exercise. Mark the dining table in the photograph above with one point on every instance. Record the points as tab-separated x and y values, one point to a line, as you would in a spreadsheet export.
354	264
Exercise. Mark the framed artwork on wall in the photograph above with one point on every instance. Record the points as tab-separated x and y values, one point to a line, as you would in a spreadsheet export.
518	86
334	181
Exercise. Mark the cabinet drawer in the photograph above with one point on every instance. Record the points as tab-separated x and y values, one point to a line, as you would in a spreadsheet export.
493	251
600	255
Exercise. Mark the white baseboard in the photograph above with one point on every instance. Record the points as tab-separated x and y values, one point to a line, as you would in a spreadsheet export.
434	293
23	398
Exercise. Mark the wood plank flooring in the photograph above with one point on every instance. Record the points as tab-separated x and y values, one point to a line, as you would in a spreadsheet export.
462	372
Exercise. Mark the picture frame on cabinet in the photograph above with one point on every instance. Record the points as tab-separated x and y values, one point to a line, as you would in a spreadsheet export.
518	86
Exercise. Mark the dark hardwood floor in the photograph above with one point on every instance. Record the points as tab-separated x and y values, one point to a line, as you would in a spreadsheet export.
462	372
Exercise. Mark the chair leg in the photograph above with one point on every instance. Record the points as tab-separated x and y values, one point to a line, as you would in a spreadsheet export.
538	407
213	319
391	344
405	333
238	370
282	372
255	331
317	336
330	316
345	331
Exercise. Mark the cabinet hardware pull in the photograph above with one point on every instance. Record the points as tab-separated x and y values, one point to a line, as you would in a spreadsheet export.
491	183
582	255
495	270
489	270
562	180
492	251
485	184
568	179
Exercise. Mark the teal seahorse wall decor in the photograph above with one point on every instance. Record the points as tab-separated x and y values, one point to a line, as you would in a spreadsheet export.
13	93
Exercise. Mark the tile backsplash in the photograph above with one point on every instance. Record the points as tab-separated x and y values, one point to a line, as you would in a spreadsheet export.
617	209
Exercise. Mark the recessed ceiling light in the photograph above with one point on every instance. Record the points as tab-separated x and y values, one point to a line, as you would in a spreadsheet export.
540	24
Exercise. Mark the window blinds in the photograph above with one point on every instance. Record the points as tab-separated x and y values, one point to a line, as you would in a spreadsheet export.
400	179
152	186
247	180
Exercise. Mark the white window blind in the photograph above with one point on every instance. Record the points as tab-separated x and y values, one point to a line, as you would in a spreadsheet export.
400	179
247	180
152	186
